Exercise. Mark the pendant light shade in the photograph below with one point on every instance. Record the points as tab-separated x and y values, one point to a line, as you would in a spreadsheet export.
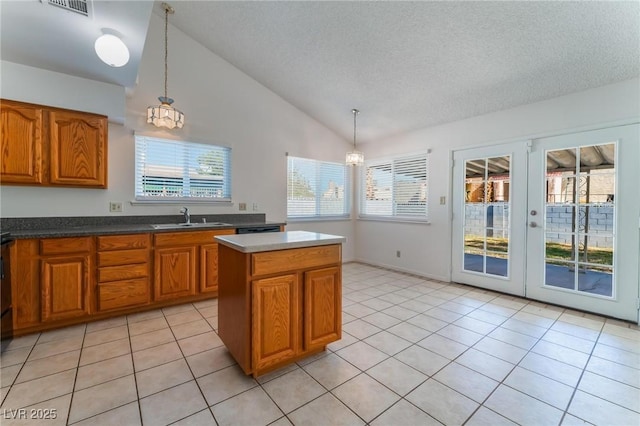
164	115
354	158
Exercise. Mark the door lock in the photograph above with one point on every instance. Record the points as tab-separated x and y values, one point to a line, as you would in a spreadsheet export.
533	213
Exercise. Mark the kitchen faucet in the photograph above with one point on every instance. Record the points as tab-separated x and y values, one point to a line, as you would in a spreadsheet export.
187	216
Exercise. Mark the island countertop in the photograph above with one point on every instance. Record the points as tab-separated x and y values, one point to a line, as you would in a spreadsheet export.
269	241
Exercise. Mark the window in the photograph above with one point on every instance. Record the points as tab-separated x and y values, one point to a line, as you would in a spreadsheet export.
395	188
316	189
169	170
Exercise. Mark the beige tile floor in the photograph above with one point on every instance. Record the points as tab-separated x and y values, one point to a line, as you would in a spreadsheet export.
413	352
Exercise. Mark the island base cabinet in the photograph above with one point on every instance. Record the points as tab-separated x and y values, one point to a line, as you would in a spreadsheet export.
272	316
322	307
275	320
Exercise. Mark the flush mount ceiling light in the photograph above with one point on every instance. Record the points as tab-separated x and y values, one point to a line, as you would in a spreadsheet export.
111	50
164	115
354	158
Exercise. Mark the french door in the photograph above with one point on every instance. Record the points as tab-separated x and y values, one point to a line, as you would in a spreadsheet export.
489	204
554	219
583	242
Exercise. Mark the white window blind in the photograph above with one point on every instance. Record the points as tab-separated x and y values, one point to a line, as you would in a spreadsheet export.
395	188
316	188
168	170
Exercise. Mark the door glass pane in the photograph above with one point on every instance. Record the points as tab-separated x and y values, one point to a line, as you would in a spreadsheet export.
560	274
579	218
487	195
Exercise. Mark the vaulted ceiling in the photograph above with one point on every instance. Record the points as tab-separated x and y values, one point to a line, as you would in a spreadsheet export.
405	65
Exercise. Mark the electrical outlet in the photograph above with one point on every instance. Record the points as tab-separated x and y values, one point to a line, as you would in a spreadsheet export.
115	207
255	207
398	253
443	200
242	206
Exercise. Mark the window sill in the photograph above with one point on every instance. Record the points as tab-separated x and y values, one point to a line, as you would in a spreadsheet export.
318	219
180	202
395	220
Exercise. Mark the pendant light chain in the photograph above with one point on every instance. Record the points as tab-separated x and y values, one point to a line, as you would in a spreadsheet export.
355	114
166	48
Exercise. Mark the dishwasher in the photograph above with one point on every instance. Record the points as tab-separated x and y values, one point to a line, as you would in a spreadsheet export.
258	229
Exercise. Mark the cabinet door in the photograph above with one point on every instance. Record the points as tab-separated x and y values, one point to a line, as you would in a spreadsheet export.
20	143
175	272
65	282
322	307
208	268
78	149
275	320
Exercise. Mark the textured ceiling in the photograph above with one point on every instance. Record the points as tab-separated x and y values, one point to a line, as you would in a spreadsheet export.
408	65
404	65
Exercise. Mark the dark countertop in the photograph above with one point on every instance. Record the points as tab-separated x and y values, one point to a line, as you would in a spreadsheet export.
23	228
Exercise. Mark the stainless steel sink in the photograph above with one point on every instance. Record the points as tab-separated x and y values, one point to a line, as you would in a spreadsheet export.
190	225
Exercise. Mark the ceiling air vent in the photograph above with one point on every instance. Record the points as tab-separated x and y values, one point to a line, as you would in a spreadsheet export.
78	6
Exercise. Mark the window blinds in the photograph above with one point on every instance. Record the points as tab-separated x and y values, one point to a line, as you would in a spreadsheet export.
395	187
168	170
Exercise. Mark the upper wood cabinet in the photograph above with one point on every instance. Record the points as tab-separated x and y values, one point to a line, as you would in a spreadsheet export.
42	145
78	149
21	138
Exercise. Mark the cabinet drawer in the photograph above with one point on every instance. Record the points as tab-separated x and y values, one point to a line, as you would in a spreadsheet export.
65	245
115	273
294	259
123	242
189	238
122	294
123	257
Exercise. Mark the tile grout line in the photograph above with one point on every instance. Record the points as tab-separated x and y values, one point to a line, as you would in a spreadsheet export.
184	357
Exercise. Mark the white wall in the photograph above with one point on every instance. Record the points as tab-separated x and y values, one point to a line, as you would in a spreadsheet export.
35	85
222	106
426	249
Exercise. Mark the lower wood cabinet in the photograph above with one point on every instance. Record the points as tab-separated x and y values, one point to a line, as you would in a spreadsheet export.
209	268
279	306
274	320
65	286
123	271
186	263
322	307
51	282
60	281
175	272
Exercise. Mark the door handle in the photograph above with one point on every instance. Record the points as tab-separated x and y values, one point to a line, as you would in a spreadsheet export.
533	225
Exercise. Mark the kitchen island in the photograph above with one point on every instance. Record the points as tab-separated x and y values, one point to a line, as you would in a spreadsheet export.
279	296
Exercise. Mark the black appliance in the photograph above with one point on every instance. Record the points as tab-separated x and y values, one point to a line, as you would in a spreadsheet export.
6	321
258	229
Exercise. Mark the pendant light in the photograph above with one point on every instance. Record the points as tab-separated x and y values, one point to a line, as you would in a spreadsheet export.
164	115
354	158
